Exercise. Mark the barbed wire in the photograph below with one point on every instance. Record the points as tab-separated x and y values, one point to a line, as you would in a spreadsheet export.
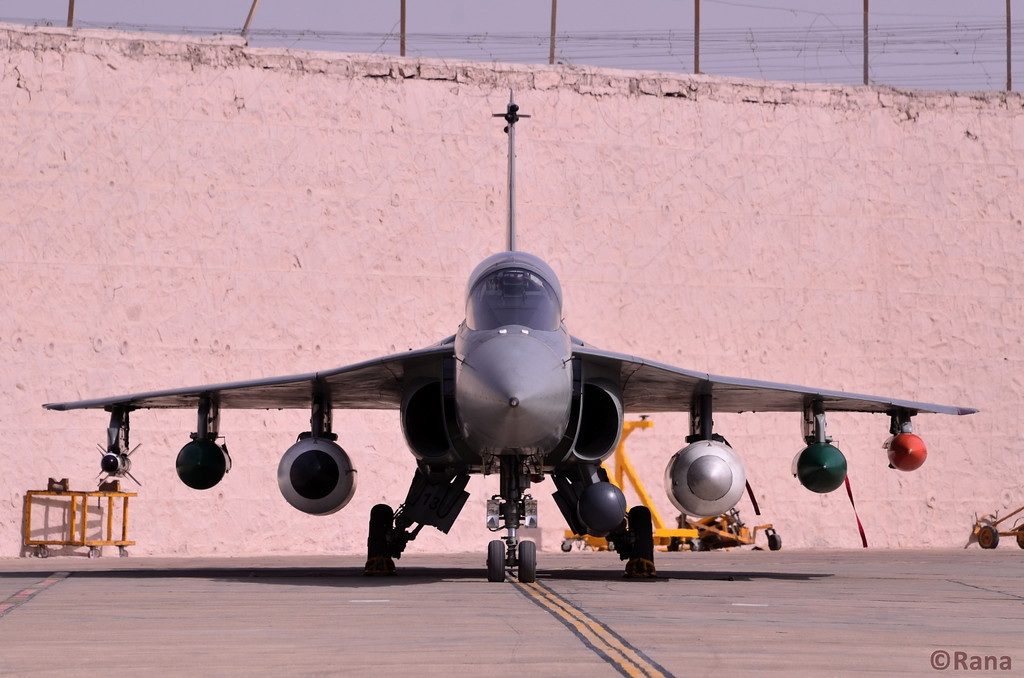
964	55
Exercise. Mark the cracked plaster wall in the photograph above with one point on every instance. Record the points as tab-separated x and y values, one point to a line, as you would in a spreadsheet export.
180	211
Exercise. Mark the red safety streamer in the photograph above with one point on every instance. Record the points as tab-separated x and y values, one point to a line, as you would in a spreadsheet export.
849	491
753	501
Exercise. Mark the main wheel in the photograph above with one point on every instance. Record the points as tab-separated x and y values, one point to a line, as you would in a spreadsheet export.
378	560
1020	537
641	529
381	520
527	562
641	537
496	560
988	537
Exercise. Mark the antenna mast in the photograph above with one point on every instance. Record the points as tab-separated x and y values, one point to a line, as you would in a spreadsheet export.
511	116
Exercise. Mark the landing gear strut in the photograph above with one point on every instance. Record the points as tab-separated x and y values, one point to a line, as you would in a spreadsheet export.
512	509
435	498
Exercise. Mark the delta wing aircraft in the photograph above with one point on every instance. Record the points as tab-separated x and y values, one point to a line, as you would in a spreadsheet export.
512	393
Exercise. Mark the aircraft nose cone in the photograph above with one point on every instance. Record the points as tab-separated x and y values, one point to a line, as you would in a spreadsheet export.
513	392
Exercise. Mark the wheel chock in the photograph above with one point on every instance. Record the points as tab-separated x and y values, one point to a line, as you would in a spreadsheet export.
640	568
379	566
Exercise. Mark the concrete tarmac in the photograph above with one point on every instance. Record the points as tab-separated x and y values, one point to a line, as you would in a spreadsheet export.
785	613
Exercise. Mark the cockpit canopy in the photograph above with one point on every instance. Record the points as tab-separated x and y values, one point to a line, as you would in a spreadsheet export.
513	296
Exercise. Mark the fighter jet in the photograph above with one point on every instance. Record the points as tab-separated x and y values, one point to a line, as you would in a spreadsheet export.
512	393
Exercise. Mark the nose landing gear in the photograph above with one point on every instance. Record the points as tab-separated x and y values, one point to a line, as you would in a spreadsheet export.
523	557
512	509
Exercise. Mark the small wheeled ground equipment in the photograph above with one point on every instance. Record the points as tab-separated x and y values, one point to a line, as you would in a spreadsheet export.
986	529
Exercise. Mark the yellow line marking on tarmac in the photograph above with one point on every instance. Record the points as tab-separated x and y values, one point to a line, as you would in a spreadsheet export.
610	646
25	595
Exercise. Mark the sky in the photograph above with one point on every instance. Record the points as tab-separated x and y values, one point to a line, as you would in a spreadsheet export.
927	44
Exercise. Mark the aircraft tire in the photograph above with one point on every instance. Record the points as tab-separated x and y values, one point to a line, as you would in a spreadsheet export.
381	520
641	529
527	562
496	560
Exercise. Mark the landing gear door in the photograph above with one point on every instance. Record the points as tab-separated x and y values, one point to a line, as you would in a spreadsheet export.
436	501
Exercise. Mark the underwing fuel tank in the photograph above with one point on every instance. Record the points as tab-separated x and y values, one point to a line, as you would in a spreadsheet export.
705	478
820	467
316	476
201	464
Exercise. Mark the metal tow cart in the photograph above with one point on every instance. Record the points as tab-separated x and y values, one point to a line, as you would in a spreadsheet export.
986	530
727	531
73	511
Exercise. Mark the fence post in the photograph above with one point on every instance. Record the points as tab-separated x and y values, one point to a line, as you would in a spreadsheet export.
248	19
554	15
1009	52
696	36
866	42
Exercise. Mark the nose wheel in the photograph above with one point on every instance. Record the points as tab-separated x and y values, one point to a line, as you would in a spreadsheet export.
527	562
524	558
496	561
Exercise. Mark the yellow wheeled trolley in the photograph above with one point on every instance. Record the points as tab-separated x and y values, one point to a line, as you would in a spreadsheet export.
726	531
986	530
74	517
665	538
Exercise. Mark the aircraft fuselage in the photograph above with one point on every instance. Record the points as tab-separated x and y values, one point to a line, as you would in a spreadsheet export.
513	375
513	389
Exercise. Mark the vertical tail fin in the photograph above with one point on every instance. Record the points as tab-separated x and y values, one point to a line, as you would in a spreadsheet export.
511	116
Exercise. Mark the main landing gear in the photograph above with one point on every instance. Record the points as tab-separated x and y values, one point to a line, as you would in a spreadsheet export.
435	498
593	506
512	509
636	547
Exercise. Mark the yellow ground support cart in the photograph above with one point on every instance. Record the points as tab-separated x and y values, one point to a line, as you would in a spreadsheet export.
986	530
665	538
72	510
726	531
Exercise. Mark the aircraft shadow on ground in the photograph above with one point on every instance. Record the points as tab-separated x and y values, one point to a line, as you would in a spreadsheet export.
408	576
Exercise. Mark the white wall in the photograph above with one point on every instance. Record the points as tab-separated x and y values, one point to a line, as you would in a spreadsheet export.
180	212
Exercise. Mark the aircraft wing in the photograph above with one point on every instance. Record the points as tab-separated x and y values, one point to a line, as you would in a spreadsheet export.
649	387
375	384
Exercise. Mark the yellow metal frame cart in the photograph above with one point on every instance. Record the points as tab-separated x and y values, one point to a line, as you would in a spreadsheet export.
986	530
726	531
665	538
78	518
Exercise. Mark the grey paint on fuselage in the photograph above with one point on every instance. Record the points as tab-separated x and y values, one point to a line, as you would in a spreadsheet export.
513	382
